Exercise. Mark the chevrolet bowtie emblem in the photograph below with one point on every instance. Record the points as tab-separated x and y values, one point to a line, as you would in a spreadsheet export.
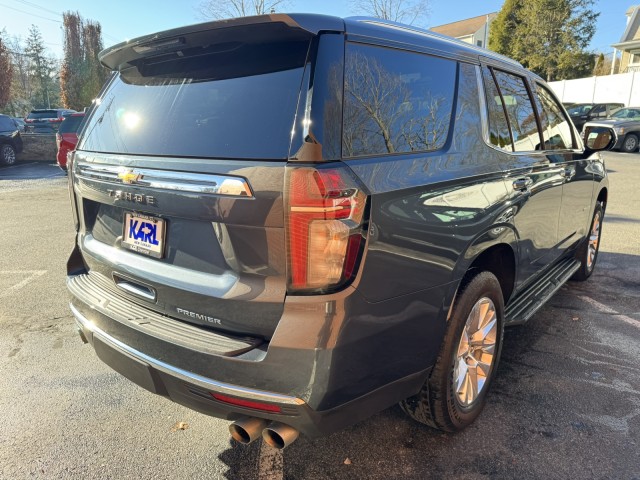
128	176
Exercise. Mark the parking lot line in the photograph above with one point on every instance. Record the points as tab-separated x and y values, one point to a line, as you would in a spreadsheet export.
33	274
605	309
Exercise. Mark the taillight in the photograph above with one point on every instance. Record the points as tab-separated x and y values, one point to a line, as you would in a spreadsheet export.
325	227
72	197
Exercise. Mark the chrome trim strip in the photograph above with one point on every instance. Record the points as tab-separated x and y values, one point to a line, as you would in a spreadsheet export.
184	375
165	180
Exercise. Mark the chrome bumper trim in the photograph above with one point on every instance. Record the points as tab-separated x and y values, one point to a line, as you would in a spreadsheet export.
184	375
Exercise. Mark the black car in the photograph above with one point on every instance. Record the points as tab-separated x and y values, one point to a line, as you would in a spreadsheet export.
46	120
10	140
581	113
624	126
295	221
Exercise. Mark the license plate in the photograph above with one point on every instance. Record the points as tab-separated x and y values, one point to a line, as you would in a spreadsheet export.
144	234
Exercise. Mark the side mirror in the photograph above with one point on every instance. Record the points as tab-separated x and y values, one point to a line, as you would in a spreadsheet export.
598	138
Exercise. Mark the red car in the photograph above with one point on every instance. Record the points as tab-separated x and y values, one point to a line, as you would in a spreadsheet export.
67	137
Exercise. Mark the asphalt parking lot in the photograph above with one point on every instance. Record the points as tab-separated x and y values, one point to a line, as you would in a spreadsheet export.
566	403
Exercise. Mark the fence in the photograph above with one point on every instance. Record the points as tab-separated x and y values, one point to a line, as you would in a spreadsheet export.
621	88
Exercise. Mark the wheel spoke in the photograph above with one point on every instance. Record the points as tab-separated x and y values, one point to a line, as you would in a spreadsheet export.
476	349
461	377
472	391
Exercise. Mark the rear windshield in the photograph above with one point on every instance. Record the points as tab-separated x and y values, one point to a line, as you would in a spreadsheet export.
43	114
70	124
233	102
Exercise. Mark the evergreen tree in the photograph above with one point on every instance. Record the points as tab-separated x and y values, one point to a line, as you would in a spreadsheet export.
549	37
503	26
42	69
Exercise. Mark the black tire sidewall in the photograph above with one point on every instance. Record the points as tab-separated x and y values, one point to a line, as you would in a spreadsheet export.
589	270
484	284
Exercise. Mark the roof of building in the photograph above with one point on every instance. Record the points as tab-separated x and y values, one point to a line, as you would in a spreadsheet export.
632	26
462	28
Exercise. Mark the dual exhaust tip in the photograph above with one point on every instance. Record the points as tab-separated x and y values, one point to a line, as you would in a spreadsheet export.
275	434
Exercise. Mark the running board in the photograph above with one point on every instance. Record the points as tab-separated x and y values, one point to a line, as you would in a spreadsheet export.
529	301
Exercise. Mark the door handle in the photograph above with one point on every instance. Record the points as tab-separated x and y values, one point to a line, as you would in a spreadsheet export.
522	183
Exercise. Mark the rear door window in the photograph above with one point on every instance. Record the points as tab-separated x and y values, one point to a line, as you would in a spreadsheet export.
395	101
519	110
233	102
556	130
499	135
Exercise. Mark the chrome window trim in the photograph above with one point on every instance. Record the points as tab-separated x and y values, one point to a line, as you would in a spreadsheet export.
184	375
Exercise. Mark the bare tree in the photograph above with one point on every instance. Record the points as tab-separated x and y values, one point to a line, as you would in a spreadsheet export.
6	74
218	9
403	11
82	75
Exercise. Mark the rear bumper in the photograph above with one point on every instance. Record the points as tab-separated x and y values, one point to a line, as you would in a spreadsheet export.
196	392
323	370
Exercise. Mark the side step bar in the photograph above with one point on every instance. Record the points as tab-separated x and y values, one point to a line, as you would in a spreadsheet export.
529	301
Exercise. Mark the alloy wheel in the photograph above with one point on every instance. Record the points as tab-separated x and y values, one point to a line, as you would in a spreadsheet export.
8	155
476	352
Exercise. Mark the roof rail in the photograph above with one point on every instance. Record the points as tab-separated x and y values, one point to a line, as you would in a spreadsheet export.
430	34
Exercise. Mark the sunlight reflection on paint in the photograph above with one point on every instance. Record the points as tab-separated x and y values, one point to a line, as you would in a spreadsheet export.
131	120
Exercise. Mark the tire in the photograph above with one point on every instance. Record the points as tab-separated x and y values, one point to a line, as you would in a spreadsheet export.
630	143
445	402
7	154
587	253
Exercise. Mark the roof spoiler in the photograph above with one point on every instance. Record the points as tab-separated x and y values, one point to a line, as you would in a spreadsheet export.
124	54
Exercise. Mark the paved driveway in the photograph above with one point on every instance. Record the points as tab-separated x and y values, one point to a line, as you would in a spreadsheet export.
566	403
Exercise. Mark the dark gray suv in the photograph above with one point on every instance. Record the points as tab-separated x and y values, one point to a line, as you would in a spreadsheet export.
296	221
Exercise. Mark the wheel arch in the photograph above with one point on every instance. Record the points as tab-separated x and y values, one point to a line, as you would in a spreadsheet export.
603	195
498	257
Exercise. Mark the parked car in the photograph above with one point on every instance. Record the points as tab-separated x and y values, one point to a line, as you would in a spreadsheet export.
20	123
67	137
325	219
10	140
46	120
581	113
624	126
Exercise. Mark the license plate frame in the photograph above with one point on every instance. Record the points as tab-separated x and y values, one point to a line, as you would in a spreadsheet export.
146	237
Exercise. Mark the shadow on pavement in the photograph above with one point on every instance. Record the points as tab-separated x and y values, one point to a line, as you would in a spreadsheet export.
31	171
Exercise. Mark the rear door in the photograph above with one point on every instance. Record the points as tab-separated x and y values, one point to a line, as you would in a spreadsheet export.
562	149
179	176
534	182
